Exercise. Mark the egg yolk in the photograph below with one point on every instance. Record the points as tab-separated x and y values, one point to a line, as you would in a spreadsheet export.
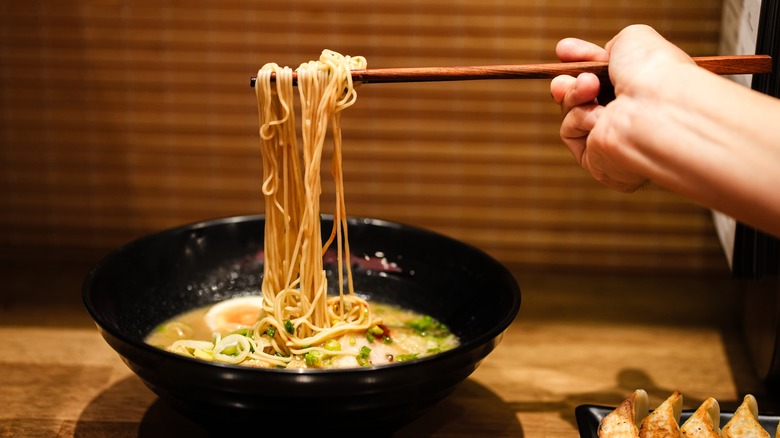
245	316
234	314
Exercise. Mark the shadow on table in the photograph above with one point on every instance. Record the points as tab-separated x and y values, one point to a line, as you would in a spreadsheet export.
130	409
627	380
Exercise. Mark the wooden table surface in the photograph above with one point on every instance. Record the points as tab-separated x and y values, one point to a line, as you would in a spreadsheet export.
579	339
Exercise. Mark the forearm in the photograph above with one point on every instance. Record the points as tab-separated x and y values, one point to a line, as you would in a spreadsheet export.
708	140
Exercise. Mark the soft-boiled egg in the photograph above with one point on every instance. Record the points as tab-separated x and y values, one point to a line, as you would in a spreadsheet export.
234	314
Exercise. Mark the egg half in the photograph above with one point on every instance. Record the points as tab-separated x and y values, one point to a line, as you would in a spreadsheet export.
234	314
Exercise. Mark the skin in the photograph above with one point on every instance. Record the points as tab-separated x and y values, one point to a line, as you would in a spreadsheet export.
673	124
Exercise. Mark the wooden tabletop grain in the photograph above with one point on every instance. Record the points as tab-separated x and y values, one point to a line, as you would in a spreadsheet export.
579	339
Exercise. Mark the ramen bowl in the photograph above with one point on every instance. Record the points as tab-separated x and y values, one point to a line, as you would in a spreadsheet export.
154	278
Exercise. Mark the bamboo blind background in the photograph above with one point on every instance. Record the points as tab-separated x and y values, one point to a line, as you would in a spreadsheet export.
123	118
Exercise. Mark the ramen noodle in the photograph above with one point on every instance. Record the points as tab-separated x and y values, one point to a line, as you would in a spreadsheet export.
295	322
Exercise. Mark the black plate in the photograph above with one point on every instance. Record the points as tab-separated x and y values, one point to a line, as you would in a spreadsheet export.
589	416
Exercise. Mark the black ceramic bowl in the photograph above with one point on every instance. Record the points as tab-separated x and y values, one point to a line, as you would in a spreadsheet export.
154	278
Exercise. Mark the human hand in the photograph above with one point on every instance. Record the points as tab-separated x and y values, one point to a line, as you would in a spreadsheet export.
601	137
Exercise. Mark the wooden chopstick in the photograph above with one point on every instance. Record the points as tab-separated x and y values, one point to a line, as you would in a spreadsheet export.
722	65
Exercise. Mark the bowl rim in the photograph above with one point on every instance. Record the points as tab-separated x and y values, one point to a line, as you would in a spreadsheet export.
495	332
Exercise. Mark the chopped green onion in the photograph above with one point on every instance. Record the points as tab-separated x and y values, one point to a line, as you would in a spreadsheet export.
312	358
427	325
405	357
244	332
202	354
288	325
362	357
271	332
332	345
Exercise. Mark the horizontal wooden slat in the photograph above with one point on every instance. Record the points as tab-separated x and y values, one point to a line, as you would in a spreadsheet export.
120	119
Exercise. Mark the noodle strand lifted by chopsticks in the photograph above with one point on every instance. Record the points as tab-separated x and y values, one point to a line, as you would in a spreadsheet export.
296	304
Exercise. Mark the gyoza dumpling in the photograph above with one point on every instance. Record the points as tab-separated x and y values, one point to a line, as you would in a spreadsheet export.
745	423
664	421
705	422
624	421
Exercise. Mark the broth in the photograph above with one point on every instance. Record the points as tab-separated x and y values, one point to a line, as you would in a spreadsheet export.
401	335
